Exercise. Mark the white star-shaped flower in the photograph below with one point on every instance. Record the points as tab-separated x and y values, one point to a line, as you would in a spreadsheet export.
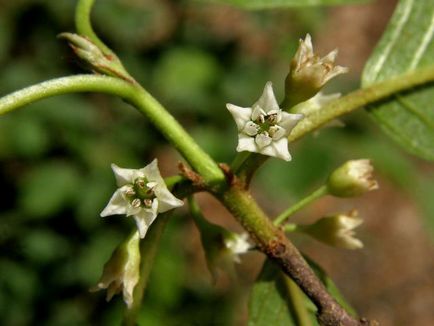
142	194
237	244
264	127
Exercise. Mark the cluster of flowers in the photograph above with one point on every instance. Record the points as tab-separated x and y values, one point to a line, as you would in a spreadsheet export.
262	128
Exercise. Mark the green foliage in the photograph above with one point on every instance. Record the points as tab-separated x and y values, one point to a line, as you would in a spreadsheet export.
268	4
269	303
407	44
273	302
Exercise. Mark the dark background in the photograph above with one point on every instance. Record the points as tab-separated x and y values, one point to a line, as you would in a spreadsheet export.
55	160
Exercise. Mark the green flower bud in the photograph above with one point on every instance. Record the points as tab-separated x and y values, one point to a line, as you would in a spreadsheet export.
94	58
352	179
336	230
122	271
308	73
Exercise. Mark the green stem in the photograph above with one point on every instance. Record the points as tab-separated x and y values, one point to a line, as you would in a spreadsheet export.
322	191
148	251
346	104
84	26
133	94
361	98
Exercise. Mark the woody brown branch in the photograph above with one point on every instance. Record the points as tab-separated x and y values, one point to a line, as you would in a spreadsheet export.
280	249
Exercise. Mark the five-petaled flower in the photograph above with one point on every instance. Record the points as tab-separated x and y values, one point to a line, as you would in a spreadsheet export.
142	194
264	127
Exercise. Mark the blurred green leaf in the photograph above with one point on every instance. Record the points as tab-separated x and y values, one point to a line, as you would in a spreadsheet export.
266	4
331	286
406	45
269	301
185	76
43	245
48	188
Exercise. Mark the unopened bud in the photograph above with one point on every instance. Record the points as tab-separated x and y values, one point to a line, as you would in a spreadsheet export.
352	179
94	57
336	230
121	272
308	73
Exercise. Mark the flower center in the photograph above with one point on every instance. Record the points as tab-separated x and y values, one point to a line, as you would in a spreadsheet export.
141	193
265	122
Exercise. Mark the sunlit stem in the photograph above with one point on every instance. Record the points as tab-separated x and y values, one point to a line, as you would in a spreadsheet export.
136	96
84	26
285	215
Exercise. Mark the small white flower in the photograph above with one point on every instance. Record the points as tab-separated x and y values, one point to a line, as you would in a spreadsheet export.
351	179
264	127
237	244
122	271
306	65
142	194
336	230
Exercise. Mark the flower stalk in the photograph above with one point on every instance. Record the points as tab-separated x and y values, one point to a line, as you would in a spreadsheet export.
285	215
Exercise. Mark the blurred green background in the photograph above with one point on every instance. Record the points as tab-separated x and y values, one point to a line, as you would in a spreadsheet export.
55	158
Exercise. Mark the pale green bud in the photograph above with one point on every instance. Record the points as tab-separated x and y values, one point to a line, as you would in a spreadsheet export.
308	73
122	271
94	57
336	230
352	179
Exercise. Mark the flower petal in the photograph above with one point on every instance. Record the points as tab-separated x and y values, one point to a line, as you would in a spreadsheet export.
117	204
152	173
145	218
251	128
263	140
124	176
267	101
241	115
166	200
246	143
277	132
289	121
278	148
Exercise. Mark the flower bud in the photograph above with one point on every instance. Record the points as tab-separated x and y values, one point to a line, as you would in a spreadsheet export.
336	230
93	56
308	73
352	179
122	271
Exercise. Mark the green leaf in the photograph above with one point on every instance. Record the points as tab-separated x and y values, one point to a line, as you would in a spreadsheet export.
276	300
269	301
331	286
406	45
269	4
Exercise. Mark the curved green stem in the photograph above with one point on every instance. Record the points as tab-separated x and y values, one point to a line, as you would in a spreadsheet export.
133	94
346	104
322	191
84	26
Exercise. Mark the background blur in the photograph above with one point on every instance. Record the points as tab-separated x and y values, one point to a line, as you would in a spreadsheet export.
55	160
